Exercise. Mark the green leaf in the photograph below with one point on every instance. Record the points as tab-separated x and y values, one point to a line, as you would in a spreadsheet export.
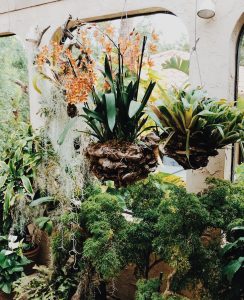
177	63
133	108
108	72
35	79
40	222
111	110
206	113
146	97
3	180
188	132
6	288
27	184
44	223
49	227
42	200
7	198
3	167
93	114
67	128
232	268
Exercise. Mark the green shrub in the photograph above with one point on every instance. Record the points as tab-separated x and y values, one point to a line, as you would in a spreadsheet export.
148	290
224	200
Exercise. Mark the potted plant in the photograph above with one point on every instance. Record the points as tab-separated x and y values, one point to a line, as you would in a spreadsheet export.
19	162
196	126
117	120
12	263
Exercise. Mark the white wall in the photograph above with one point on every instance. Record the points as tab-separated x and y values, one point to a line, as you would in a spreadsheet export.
216	47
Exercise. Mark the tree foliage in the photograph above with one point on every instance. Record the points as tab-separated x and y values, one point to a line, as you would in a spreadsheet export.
14	105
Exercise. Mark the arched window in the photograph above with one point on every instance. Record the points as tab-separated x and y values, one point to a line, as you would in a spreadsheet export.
238	153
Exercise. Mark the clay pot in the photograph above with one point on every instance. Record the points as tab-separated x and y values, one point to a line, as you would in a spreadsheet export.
211	236
33	256
4	296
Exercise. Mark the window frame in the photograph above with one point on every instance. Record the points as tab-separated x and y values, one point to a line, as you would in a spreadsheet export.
236	155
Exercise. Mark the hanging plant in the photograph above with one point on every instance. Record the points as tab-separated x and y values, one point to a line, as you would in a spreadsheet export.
117	119
195	126
70	68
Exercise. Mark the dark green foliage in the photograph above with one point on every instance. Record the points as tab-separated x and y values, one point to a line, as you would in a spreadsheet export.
11	267
102	220
168	224
18	164
225	201
180	226
143	199
148	289
233	260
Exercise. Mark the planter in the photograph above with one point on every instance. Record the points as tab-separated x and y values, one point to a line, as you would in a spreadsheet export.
211	236
198	158
123	162
33	256
4	296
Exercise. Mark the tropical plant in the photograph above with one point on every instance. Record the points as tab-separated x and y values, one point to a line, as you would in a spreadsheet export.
233	260
117	120
118	115
195	126
42	286
11	268
177	63
224	200
19	160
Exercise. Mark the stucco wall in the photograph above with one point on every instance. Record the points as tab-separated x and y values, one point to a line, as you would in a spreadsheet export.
216	46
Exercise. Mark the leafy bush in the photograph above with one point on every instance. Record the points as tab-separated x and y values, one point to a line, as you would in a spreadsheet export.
233	259
102	219
224	200
11	268
19	160
148	290
42	286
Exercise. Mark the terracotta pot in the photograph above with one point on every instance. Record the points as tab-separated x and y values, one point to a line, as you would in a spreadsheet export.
4	296
211	235
33	256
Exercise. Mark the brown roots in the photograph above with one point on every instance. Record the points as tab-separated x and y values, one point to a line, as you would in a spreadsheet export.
123	162
198	158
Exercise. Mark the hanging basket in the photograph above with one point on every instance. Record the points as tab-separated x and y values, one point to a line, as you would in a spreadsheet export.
198	158
124	162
